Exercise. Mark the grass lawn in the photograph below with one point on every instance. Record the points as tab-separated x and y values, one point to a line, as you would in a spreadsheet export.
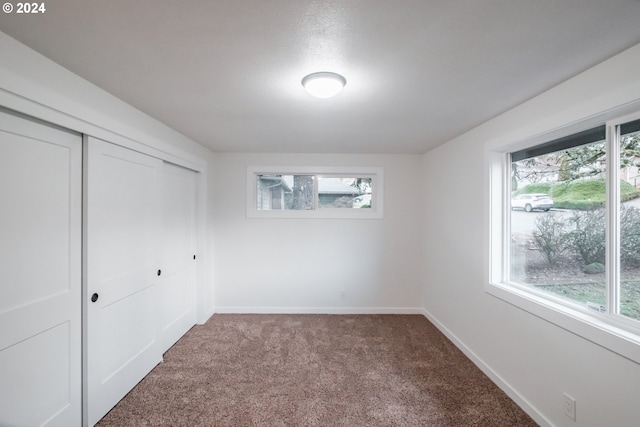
569	281
594	292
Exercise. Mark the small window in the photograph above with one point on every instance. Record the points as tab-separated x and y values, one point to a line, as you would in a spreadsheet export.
314	193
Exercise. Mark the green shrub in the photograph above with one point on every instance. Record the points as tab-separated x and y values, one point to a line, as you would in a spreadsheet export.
587	239
594	268
584	235
550	237
630	236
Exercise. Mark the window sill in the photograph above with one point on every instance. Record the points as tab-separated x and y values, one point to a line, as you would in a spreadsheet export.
317	214
583	324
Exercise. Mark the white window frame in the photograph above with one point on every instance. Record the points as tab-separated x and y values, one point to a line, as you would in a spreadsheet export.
614	332
377	195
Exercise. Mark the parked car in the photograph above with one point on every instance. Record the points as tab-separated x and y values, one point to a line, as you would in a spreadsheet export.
363	200
533	201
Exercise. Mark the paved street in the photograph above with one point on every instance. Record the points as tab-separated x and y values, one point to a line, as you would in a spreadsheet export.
524	222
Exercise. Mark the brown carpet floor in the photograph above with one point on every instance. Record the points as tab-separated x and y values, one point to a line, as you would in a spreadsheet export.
316	370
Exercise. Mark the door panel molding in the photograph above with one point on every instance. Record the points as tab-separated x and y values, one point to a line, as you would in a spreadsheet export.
40	273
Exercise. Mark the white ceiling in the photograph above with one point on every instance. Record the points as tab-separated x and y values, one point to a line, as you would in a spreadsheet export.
227	73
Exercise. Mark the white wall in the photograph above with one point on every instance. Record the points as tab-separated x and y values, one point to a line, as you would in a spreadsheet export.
37	87
317	265
533	359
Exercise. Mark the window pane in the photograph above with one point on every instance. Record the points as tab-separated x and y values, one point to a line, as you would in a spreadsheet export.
344	192
284	192
630	222
557	242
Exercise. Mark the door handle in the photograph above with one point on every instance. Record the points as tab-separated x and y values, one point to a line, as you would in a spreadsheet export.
159	272
94	297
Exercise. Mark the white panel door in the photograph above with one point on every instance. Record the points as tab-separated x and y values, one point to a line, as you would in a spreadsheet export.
122	208
177	285
40	274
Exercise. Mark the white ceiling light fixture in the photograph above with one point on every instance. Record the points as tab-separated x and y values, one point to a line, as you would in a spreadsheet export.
323	84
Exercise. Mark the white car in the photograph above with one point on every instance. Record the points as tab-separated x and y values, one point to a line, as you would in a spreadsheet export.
533	201
362	200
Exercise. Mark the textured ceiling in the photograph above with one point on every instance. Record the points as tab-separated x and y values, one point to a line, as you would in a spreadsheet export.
227	73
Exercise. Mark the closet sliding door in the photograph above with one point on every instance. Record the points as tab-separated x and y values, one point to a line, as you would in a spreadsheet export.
177	289
40	273
140	216
122	217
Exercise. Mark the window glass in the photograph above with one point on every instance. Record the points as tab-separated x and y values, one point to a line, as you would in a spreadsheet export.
284	192
557	240
629	299
344	192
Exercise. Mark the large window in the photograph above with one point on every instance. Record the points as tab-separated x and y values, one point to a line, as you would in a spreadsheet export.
314	193
565	217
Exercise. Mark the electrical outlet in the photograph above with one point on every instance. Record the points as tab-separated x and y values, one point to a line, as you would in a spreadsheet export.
569	406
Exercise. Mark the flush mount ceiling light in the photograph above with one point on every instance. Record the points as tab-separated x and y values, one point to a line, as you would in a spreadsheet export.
323	84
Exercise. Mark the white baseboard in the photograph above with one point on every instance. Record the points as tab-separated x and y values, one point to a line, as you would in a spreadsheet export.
317	310
204	319
488	371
